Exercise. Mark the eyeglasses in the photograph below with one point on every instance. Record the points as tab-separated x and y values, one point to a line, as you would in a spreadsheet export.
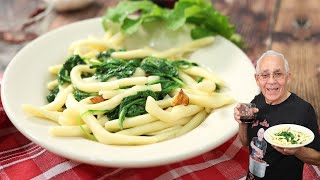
276	76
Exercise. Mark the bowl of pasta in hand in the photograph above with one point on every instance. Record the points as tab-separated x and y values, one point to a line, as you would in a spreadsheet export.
288	136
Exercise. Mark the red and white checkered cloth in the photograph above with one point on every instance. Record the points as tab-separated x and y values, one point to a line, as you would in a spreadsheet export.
22	159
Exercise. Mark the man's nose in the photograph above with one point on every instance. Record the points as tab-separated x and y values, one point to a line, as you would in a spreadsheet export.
271	79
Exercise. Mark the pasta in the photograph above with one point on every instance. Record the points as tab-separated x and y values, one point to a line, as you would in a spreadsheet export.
288	136
113	96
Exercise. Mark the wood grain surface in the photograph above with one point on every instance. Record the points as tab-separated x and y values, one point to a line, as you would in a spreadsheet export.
297	35
291	27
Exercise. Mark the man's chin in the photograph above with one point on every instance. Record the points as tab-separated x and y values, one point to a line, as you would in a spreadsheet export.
272	98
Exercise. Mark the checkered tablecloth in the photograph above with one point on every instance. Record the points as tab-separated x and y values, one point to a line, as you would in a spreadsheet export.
22	159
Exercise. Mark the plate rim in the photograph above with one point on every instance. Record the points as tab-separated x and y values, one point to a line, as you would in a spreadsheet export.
267	135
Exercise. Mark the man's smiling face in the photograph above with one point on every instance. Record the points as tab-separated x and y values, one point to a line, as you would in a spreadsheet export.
273	79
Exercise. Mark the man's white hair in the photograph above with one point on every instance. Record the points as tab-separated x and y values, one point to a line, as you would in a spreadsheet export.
273	53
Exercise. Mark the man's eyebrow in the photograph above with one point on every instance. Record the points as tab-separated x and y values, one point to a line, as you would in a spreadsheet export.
277	70
265	71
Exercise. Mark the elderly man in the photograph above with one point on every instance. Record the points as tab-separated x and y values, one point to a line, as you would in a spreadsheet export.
276	105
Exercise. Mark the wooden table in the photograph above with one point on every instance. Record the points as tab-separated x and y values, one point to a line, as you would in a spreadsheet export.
287	26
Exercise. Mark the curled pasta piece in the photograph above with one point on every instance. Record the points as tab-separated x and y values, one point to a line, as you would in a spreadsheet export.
164	103
74	131
139	72
154	126
176	113
52	84
55	69
193	123
136	80
60	99
130	122
137	53
90	47
117	40
202	72
107	94
106	137
167	135
176	52
107	35
164	130
70	117
214	101
87	100
187	79
208	110
116	100
90	80
42	113
179	51
206	86
78	82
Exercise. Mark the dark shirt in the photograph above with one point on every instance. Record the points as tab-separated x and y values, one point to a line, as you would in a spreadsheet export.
293	110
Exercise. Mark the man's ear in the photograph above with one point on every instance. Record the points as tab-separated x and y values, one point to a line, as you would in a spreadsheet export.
289	77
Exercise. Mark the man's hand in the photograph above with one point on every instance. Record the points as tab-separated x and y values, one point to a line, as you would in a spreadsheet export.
285	151
237	116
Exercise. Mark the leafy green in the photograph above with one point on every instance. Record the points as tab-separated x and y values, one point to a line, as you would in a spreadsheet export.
115	68
167	85
201	32
288	136
110	67
64	73
134	105
114	113
200	79
206	19
107	67
120	14
107	54
53	93
79	95
183	64
160	67
218	88
131	106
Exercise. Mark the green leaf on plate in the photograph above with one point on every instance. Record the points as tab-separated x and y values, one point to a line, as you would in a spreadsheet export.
206	19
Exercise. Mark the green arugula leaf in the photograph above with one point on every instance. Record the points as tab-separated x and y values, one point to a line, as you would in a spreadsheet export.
64	73
131	106
53	94
110	67
206	19
131	25
79	95
183	64
161	67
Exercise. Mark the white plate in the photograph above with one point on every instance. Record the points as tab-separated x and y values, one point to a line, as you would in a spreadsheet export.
25	79
275	129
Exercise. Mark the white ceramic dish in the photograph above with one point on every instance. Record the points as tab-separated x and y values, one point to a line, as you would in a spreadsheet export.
275	129
25	79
